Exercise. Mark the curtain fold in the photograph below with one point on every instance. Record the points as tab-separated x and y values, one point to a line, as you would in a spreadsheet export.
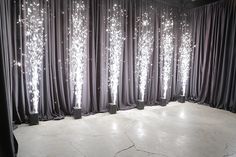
56	93
212	79
8	143
212	70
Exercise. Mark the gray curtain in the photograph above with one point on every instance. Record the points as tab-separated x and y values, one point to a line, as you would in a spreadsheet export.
213	70
56	96
8	143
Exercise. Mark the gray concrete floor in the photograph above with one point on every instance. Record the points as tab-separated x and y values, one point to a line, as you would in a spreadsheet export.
177	130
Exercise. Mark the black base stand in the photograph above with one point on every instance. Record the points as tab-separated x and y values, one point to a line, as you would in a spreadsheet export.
163	102
140	105
34	119
181	99
77	114
112	108
233	109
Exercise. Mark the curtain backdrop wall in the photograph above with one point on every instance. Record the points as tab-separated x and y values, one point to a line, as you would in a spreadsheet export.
56	93
211	66
8	143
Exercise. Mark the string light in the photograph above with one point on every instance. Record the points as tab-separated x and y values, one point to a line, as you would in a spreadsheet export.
115	48
78	50
184	54
35	39
167	49
145	49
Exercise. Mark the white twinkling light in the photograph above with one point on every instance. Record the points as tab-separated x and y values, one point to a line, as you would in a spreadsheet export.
33	22
15	63
145	49
115	48
184	54
78	51
167	49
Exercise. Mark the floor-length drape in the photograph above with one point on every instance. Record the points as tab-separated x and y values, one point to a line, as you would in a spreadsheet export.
8	145
213	69
56	93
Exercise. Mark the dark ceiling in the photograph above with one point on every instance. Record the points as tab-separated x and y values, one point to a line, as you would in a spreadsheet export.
195	3
188	3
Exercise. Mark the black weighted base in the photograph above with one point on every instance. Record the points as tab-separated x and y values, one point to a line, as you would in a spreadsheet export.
163	102
77	113
34	119
112	108
181	99
140	105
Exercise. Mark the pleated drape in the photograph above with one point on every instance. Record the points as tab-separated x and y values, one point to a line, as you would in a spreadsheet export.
212	69
55	91
8	143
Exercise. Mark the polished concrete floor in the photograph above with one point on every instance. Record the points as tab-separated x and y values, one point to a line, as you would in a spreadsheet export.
177	130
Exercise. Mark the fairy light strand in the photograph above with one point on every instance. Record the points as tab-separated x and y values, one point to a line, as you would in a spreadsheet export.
78	50
145	49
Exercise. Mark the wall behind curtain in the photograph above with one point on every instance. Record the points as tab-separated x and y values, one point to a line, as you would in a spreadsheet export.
213	68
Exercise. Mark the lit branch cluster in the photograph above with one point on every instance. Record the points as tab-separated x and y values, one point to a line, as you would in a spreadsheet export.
33	23
115	47
167	49
78	50
184	54
145	49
